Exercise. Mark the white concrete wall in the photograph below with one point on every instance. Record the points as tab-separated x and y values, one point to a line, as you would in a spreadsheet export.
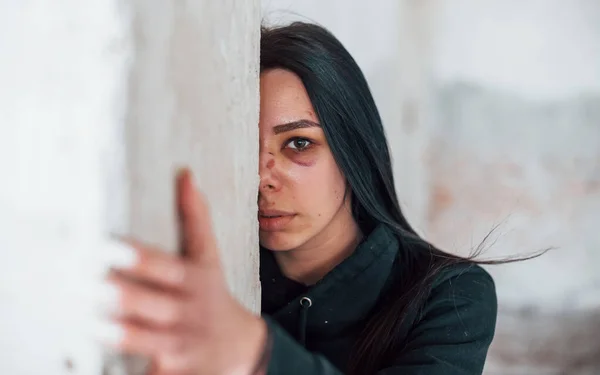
100	101
492	109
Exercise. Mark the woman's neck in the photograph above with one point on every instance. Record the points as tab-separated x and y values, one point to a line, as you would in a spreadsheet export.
311	262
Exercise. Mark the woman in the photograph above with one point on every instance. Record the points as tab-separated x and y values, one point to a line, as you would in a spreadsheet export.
348	286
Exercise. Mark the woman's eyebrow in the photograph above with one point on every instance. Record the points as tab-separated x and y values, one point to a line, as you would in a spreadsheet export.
294	125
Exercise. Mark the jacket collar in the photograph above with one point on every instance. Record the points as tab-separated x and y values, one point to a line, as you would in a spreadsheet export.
342	298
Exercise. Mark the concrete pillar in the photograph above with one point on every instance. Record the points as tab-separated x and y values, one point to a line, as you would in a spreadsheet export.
100	103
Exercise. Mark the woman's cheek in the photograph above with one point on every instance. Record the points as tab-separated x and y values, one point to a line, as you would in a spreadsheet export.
304	174
298	172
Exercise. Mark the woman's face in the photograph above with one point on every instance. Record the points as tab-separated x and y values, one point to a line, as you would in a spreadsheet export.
301	194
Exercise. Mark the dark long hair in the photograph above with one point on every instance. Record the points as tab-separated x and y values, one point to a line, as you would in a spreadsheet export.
352	125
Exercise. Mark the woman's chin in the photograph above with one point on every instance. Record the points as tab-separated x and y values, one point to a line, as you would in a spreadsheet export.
278	241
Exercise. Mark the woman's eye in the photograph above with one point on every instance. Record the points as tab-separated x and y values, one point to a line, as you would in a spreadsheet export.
299	144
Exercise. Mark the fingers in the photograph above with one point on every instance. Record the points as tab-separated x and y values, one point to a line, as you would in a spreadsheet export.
140	339
170	350
138	302
198	241
155	289
158	308
157	267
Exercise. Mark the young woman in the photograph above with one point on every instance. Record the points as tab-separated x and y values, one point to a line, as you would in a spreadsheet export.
348	287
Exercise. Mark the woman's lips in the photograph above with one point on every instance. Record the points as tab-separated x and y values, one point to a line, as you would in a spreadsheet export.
274	220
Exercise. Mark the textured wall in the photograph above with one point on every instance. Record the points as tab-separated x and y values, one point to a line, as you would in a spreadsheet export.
100	101
492	110
515	142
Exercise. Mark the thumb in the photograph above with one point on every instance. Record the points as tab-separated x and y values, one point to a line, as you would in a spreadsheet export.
197	240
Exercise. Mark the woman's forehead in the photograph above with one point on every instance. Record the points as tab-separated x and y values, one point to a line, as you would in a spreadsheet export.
282	84
283	99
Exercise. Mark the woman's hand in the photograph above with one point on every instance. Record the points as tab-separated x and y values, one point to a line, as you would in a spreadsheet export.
178	311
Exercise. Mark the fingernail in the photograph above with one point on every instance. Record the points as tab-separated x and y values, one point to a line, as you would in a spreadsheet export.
182	172
106	332
120	254
186	173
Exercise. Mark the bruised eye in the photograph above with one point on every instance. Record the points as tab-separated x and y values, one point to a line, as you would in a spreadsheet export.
299	144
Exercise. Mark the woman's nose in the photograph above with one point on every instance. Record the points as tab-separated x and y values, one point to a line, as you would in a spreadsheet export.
267	172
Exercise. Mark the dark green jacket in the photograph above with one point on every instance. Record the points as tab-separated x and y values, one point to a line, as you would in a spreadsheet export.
451	336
